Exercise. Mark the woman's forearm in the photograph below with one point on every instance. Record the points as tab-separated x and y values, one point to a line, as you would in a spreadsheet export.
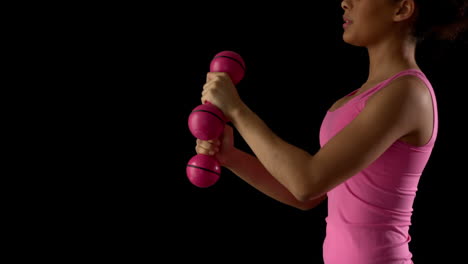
249	169
288	164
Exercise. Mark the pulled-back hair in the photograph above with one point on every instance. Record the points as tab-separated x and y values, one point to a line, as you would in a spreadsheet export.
442	19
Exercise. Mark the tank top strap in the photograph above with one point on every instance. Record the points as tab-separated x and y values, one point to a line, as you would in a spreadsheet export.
384	83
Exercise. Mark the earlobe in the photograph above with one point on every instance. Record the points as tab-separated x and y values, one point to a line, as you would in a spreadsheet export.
405	10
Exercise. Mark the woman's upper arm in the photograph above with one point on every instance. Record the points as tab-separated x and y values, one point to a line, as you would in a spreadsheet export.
388	115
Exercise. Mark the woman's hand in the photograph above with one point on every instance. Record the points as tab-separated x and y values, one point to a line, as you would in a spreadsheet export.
220	148
220	91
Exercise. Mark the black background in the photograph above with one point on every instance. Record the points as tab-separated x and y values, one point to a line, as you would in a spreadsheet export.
141	73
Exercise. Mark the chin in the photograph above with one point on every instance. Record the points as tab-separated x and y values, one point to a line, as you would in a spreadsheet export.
347	38
351	41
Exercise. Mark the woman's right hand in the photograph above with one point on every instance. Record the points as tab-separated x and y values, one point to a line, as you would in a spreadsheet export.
220	148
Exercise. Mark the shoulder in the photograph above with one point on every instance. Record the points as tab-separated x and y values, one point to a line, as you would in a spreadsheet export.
403	92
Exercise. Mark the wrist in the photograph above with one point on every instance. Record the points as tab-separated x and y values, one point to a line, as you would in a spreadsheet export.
237	112
229	160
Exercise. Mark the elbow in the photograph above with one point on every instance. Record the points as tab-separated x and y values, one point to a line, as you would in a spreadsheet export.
309	186
305	208
305	193
309	196
303	197
312	203
300	194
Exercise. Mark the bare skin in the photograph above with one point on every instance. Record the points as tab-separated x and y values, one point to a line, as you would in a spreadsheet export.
249	169
401	111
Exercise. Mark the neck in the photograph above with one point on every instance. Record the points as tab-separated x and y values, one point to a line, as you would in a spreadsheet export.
389	57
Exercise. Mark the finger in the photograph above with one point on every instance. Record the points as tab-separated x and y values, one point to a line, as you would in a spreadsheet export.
215	75
216	141
207	85
201	150
204	93
206	144
210	76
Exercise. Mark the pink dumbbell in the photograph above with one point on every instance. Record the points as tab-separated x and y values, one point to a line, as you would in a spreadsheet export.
207	122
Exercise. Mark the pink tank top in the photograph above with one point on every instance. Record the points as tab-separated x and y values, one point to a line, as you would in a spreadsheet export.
369	215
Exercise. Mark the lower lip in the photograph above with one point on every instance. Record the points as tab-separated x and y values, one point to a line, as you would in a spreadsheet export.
345	25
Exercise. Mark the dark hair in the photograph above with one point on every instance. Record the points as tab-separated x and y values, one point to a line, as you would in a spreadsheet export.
441	19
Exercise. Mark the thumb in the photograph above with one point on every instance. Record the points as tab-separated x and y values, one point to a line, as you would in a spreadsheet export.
228	130
228	136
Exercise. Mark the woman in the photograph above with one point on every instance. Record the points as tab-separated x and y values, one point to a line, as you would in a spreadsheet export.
375	142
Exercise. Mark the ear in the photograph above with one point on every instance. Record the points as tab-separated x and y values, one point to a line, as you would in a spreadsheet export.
404	10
